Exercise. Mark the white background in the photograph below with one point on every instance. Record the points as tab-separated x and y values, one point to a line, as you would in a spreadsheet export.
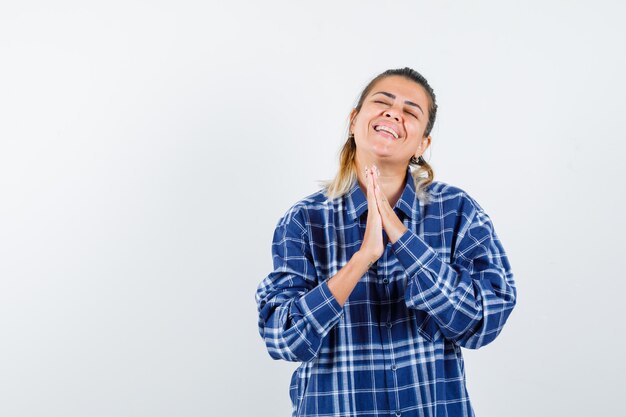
147	150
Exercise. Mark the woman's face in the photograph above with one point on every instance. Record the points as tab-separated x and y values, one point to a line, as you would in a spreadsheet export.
398	104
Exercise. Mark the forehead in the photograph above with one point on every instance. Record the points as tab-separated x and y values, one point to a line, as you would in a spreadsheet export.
403	89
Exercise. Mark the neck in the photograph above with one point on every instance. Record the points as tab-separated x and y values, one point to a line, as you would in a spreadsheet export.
391	178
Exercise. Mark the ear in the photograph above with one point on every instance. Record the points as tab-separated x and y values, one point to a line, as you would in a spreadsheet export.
353	114
424	144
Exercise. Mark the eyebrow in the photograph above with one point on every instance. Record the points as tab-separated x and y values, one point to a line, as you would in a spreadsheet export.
410	103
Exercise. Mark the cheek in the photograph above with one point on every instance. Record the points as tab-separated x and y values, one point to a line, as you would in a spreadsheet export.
417	132
413	135
362	127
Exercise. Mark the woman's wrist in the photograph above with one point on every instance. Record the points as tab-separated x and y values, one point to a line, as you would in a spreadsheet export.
397	233
363	260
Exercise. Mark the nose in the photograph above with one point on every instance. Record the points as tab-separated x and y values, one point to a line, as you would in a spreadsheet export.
392	113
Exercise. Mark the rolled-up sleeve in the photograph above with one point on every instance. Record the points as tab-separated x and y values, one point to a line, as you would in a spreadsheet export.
471	298
296	310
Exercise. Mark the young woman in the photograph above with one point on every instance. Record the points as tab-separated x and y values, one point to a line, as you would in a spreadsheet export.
384	274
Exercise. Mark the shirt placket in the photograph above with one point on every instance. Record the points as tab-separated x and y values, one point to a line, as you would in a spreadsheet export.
386	323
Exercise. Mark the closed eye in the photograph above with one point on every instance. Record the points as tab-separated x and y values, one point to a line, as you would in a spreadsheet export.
382	102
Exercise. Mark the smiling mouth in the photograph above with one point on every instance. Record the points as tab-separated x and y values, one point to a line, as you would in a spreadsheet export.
386	135
386	131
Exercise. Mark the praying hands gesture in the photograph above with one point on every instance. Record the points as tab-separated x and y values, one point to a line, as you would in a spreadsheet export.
380	215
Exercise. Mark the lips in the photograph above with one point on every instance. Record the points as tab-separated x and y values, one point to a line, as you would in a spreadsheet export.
387	129
386	134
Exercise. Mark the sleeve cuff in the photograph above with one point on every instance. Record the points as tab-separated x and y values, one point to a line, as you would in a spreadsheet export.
320	308
413	253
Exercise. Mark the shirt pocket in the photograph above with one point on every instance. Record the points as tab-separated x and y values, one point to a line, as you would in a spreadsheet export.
425	325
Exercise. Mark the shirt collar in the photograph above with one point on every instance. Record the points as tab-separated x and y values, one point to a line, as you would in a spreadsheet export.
357	200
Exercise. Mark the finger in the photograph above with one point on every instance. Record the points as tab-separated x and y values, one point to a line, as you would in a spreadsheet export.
372	206
369	185
381	201
380	196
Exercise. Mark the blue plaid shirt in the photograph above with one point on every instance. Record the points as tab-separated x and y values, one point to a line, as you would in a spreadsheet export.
394	348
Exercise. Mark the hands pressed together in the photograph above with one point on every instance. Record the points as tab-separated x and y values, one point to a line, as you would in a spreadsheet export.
380	215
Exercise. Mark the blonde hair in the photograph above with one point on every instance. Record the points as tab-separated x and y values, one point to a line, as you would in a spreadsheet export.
346	176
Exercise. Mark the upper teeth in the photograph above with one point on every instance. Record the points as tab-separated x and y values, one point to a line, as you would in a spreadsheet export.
387	129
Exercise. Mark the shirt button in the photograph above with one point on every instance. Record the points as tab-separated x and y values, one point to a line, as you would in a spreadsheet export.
398	414
394	367
388	325
385	281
